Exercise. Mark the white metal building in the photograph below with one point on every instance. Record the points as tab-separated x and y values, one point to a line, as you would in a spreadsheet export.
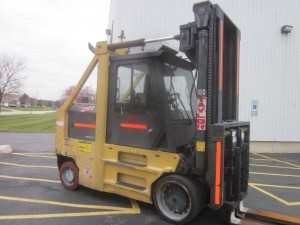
270	60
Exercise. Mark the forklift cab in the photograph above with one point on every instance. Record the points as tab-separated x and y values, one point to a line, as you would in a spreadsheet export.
151	101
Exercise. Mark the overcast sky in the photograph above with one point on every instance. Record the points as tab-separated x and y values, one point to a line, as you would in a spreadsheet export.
52	37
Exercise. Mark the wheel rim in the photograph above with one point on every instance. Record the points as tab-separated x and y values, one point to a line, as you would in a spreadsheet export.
68	176
174	201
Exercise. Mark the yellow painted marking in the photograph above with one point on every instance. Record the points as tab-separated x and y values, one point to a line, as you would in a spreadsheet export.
274	196
260	159
64	215
29	179
37	153
275	174
269	166
294	203
73	205
269	194
27	166
135	205
115	210
31	155
275	186
277	160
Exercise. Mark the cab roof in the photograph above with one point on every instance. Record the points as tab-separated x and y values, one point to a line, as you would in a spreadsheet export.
162	54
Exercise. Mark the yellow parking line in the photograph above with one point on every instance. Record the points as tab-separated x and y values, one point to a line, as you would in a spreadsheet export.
275	186
37	156
37	153
275	174
294	203
27	166
73	205
29	179
135	205
269	166
269	194
274	196
260	159
269	158
64	215
114	210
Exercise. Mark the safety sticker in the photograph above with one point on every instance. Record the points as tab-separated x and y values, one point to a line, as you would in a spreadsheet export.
87	108
85	146
87	171
200	146
59	123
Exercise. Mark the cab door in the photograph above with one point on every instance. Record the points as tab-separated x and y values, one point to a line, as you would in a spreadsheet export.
133	116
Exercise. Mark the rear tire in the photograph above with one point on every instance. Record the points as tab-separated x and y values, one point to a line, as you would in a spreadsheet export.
69	175
178	199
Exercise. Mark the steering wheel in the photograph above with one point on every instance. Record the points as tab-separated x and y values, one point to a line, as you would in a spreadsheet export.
172	99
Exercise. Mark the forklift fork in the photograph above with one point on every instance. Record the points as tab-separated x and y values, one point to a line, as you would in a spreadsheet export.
243	215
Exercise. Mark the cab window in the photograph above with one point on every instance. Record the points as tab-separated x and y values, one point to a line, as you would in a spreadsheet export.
133	91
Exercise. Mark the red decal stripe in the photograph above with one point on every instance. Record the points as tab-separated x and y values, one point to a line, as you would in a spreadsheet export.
134	126
218	173
237	65
85	125
221	55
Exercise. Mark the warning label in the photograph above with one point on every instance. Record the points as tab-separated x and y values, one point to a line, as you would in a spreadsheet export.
201	112
85	146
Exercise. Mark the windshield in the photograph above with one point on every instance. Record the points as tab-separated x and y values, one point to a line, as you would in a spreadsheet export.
179	84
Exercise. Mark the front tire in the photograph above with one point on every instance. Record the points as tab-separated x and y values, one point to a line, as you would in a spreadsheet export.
178	199
69	175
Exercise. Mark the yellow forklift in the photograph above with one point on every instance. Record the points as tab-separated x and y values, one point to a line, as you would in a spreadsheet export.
164	129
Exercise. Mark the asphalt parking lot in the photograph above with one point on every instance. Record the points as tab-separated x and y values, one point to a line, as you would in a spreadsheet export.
31	193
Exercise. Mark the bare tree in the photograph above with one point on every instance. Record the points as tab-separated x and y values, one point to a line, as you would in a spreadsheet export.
10	75
24	99
86	92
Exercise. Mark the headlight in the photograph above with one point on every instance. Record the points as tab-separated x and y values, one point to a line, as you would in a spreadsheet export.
233	135
242	137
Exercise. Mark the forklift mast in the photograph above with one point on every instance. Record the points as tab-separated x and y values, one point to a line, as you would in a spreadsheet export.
212	44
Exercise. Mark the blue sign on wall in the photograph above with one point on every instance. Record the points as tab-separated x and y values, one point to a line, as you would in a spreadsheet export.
254	108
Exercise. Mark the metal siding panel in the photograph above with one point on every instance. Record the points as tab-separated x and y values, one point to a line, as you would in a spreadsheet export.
270	67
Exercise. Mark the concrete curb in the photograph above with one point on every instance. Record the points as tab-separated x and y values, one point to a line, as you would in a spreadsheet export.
5	149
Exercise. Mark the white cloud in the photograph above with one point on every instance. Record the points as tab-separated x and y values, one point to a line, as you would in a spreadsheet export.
52	37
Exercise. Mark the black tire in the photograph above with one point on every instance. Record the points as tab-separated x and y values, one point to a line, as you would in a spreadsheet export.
69	175
178	199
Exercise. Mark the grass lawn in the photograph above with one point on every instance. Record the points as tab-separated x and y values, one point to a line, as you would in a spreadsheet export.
5	110
35	109
43	123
